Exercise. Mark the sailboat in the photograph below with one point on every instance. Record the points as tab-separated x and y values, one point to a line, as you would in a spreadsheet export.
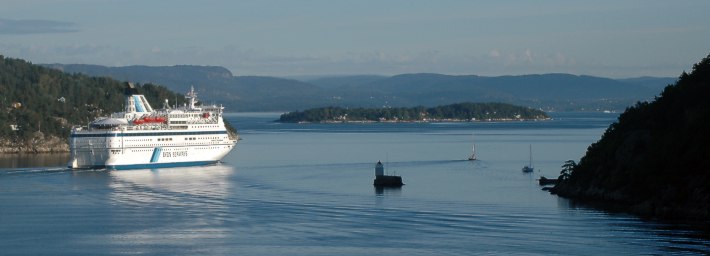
473	153
529	167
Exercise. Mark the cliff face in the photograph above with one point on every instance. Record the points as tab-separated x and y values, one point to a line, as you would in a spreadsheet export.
656	159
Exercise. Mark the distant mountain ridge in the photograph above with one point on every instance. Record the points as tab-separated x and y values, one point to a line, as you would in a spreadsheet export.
214	84
550	92
179	77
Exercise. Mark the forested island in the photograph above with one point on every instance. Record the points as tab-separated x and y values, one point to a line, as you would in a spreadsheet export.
655	160
40	105
461	112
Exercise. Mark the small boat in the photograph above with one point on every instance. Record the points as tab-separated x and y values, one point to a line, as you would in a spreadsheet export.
529	167
545	181
473	153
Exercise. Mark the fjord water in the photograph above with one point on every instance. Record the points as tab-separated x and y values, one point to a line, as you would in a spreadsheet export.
306	189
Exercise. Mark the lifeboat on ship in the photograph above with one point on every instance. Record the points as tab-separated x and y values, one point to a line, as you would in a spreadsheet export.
206	115
108	123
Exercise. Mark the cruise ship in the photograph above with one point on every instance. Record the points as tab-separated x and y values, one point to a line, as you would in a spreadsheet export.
142	137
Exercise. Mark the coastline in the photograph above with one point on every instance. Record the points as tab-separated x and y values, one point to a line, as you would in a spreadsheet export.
445	120
614	202
38	144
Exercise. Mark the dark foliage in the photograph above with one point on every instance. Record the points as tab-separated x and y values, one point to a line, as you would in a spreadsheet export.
656	158
461	111
36	98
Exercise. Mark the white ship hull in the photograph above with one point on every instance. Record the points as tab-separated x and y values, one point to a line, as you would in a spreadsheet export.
141	137
116	150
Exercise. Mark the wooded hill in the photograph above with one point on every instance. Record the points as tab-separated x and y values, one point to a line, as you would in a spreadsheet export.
455	112
655	160
39	104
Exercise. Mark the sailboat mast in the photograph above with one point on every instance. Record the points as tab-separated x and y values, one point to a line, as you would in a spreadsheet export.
530	164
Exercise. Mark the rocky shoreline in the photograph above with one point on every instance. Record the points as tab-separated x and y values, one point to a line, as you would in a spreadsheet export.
39	143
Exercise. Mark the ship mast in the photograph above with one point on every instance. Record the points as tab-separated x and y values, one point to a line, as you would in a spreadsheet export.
192	97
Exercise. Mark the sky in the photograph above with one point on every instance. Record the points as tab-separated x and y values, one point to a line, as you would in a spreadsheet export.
617	39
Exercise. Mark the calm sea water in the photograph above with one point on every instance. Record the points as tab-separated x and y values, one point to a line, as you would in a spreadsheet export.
291	189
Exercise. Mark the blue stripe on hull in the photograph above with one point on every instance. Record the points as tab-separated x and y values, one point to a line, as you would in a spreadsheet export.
158	165
145	166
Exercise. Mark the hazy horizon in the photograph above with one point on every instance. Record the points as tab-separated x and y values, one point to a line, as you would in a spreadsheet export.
322	38
319	76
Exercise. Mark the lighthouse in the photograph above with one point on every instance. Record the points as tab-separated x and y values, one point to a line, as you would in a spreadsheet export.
382	180
379	169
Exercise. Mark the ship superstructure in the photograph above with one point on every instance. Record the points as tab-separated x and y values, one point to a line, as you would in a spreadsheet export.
143	137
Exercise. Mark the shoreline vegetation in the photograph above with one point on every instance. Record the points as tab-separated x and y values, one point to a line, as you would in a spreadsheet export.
460	112
655	160
39	105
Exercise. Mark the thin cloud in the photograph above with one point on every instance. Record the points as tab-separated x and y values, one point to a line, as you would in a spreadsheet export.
25	27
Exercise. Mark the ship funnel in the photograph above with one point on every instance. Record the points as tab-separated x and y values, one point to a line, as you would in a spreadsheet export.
130	89
135	102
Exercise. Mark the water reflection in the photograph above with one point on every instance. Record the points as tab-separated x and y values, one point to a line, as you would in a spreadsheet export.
669	236
171	186
12	161
387	191
89	176
160	201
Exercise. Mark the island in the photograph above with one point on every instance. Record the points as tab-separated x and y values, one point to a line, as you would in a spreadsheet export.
655	160
460	112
